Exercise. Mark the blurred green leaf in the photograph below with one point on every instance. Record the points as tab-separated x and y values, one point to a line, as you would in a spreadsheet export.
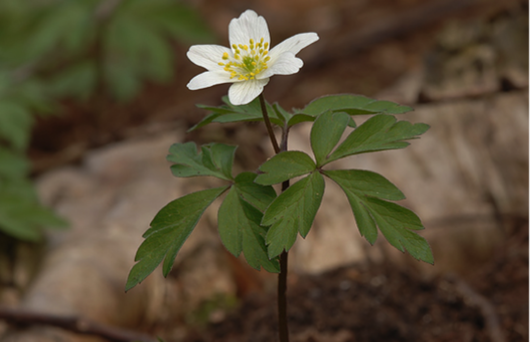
175	19
15	124
12	165
78	80
21	215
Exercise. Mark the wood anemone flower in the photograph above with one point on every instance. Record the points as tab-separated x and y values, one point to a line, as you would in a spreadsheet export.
248	63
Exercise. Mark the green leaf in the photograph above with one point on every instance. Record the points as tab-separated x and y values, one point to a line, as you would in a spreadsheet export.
365	191
12	165
299	118
281	113
379	133
78	80
284	166
169	229
15	124
231	113
352	105
240	231
326	133
173	18
396	223
258	196
292	212
21	214
213	160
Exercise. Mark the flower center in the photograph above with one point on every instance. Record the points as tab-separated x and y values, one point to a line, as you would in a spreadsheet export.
247	61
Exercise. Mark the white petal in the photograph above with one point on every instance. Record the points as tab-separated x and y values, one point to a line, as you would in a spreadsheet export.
207	56
248	25
208	79
285	64
241	93
293	44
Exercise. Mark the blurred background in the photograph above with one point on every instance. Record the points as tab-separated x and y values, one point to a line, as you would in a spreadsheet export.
93	93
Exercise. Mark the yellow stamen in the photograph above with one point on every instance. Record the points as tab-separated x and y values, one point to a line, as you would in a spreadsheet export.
248	61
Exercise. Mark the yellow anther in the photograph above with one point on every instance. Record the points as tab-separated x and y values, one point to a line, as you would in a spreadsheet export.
247	61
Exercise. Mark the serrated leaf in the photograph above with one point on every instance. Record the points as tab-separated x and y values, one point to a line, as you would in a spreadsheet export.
284	166
213	160
396	223
352	105
293	212
379	133
169	230
326	133
259	196
240	231
365	191
231	113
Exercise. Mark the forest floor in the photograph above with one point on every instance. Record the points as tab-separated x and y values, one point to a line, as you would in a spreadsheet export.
382	302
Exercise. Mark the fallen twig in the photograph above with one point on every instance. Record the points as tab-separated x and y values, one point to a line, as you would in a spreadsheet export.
72	323
487	309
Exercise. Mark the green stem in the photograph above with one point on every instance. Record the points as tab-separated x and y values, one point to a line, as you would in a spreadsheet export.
268	124
283	328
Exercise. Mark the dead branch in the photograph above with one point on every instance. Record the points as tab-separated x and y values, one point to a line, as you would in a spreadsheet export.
401	24
71	323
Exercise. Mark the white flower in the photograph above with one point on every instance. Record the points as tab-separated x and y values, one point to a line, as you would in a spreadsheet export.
248	63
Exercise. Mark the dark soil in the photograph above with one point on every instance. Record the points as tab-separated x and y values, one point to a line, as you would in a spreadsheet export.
373	303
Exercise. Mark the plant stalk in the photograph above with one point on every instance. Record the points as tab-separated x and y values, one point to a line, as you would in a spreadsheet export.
283	328
268	124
